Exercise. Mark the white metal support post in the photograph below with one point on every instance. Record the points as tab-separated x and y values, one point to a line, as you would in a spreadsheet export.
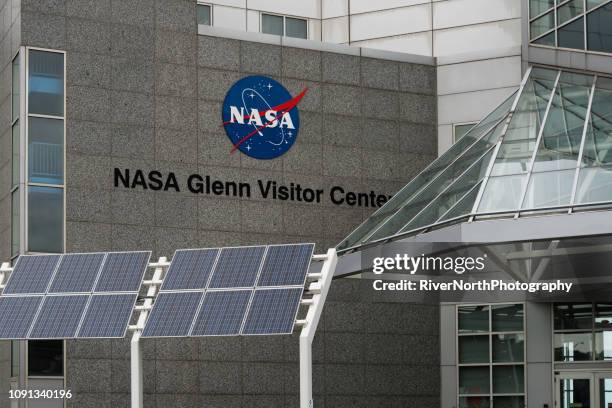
135	345
318	285
4	269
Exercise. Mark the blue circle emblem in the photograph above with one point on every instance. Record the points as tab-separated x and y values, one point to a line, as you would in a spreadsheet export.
261	117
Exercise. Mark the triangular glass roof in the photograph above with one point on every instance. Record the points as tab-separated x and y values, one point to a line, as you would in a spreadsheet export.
535	153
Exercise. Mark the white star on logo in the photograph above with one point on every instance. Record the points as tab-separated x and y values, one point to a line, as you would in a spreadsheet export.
290	133
252	95
269	86
248	148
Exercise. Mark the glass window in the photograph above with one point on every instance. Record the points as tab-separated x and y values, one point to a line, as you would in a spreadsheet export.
599	29
513	157
603	316
594	185
460	130
15	222
15	154
474	349
296	27
45	357
271	24
474	402
506	318
473	319
571	347
474	380
203	14
569	10
603	345
549	189
593	3
572	35
46	150
502	193
598	139
548	39
542	25
573	316
45	219
508	379
605	392
16	85
46	83
537	7
508	348
509	401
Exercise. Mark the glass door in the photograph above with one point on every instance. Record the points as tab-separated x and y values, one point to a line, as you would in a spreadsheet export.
604	389
575	390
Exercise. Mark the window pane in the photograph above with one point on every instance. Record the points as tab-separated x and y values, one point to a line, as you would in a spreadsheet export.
15	157
461	130
473	319
603	316
513	157
569	11
203	14
573	346
593	3
46	83
572	35
575	392
573	316
45	357
502	193
509	402
15	222
605	392
474	402
537	7
46	150
16	91
598	139
594	185
507	318
548	39
45	219
473	380
271	24
474	349
550	189
508	348
603	345
508	379
542	25
599	29
296	27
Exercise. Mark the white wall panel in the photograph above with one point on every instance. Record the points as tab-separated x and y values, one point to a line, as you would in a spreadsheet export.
464	12
232	3
334	8
229	17
314	30
477	37
335	30
392	22
471	106
302	8
253	21
365	6
476	75
445	138
419	43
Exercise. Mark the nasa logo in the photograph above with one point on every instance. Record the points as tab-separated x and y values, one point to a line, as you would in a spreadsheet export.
261	117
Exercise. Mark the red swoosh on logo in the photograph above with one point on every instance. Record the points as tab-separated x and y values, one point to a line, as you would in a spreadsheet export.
282	109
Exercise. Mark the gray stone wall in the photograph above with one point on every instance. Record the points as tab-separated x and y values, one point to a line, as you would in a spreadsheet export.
144	91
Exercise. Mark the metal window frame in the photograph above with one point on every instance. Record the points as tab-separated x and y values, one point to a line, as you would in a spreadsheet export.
284	17
210	11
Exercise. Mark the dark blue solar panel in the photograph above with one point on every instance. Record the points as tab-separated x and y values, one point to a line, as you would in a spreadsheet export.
107	316
237	267
77	273
273	311
31	274
190	269
286	265
123	271
59	317
172	314
16	316
222	313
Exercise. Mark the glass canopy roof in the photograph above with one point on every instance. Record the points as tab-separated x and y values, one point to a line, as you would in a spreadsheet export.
535	153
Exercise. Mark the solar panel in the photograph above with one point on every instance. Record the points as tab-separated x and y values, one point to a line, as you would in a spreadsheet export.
59	317
286	265
16	315
31	274
77	273
190	269
123	271
222	313
172	314
107	316
237	267
273	311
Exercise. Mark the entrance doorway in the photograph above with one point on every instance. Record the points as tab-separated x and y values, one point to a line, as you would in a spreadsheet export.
583	389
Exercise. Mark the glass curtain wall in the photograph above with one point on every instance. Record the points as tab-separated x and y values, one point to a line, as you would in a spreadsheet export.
583	332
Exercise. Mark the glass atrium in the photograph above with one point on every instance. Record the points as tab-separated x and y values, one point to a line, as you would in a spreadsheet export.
546	149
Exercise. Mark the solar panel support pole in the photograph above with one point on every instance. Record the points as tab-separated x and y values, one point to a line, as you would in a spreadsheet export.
310	327
136	371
